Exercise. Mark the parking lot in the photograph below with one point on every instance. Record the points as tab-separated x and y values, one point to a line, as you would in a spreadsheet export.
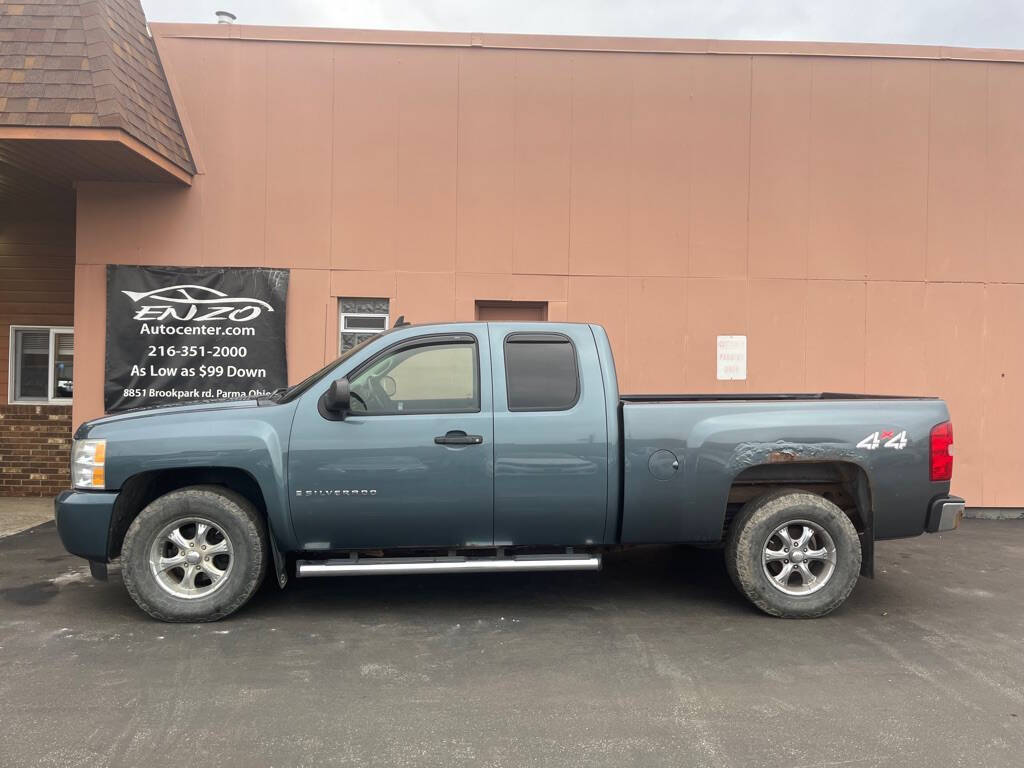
654	661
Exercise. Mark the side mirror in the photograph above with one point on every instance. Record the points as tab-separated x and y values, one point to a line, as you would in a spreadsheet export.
337	399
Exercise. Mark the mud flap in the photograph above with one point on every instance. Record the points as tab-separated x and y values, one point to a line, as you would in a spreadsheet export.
98	570
867	536
280	565
867	554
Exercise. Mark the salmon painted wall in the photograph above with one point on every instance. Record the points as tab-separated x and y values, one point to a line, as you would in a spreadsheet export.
860	219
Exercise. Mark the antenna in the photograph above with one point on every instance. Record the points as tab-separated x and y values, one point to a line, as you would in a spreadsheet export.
401	321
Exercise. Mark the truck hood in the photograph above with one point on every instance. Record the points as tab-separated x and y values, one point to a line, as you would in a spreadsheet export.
163	411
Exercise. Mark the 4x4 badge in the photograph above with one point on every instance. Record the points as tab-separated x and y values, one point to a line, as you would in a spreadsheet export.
885	439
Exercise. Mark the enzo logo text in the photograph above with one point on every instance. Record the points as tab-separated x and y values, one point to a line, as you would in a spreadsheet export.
183	302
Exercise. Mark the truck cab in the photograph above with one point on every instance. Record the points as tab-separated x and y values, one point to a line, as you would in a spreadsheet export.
480	436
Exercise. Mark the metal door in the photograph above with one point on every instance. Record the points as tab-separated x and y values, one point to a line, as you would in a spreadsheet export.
412	465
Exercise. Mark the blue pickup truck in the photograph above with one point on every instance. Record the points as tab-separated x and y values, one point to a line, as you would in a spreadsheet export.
472	447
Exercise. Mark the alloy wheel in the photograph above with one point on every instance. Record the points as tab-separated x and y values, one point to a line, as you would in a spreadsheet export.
799	557
191	558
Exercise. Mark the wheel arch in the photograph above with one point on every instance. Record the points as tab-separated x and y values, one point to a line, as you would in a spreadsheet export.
141	489
844	483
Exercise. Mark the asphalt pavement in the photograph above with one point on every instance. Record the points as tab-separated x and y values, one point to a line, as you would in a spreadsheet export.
655	661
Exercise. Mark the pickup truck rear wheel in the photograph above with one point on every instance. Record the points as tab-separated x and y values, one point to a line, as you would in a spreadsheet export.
195	554
793	554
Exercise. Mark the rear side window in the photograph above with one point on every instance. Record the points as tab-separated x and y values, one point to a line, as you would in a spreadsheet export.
540	372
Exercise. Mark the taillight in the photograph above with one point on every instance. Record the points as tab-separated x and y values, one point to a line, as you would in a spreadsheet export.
942	451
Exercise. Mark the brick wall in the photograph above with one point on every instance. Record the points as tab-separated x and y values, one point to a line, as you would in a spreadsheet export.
35	441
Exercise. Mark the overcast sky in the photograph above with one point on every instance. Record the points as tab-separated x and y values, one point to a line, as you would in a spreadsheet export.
976	23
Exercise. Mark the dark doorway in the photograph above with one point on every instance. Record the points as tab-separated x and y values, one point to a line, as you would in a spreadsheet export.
511	311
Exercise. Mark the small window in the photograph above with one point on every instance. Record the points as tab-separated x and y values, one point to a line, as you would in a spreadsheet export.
42	365
432	378
359	319
540	372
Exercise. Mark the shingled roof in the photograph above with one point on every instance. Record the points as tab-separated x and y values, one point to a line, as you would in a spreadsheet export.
89	63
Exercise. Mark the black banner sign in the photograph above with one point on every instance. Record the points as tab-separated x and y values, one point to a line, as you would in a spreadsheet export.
180	334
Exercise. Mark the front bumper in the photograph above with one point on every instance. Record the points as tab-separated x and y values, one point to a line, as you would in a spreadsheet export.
83	522
945	514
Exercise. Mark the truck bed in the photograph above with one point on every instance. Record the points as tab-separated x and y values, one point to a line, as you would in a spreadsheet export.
683	453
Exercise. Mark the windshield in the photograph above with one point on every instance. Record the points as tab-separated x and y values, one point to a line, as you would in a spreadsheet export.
297	389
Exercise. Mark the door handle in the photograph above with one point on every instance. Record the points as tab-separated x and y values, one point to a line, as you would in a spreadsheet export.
458	437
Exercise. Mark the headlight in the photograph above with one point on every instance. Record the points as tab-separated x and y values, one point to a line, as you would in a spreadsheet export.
87	463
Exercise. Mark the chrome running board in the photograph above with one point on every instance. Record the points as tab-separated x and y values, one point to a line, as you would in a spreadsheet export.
379	566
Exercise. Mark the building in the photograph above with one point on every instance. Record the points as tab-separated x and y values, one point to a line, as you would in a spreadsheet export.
855	211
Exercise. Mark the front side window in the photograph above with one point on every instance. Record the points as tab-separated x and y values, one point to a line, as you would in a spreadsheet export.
360	319
432	378
540	372
42	364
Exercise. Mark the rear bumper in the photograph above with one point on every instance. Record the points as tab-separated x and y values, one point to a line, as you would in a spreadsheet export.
83	522
945	514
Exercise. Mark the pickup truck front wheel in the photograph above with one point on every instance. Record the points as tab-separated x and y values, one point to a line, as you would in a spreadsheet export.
793	554
195	554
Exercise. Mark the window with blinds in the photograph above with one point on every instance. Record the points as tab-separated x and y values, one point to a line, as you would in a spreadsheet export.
63	365
42	364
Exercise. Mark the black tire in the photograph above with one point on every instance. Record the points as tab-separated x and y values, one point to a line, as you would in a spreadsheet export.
750	533
240	523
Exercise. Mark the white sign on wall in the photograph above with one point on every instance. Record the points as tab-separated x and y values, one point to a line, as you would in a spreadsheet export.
732	358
